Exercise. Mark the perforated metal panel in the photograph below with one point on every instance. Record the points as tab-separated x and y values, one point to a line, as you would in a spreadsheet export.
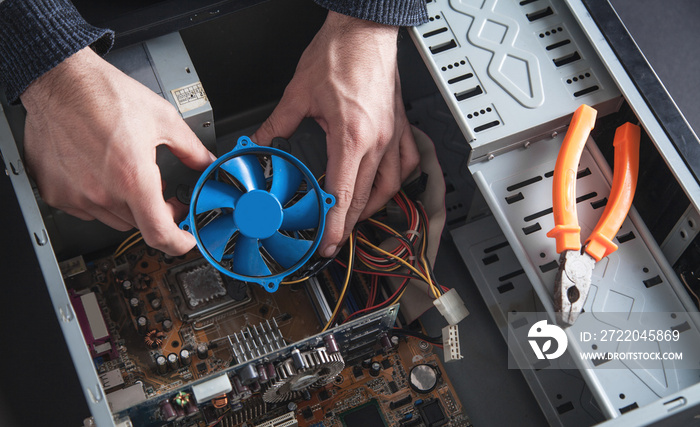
636	278
511	71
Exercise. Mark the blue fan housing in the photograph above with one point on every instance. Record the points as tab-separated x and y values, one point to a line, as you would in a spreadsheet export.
235	206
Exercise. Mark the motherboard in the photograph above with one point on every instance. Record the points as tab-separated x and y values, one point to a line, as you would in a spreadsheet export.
176	343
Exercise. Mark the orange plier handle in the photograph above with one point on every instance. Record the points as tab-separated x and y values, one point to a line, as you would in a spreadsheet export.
566	230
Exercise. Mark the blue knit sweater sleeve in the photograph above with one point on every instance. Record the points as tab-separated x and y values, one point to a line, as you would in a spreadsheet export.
37	35
389	12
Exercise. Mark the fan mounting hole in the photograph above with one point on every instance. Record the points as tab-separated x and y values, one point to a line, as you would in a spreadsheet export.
270	285
328	200
186	227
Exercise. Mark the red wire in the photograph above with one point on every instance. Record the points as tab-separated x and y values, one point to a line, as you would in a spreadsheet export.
404	283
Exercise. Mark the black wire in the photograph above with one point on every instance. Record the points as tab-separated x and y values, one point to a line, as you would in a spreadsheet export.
406	332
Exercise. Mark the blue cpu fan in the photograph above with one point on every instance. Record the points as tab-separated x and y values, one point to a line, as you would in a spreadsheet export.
257	214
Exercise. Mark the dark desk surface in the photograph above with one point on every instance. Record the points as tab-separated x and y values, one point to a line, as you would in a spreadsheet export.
38	386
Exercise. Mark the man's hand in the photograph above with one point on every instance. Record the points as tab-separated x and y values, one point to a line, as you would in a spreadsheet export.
90	142
348	81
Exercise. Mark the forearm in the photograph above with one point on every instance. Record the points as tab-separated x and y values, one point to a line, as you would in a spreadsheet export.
388	12
37	35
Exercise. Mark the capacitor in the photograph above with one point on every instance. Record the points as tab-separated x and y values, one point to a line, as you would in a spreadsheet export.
191	408
202	351
375	368
385	343
271	371
306	395
262	374
331	344
185	357
173	361
298	360
156	303
242	391
142	325
255	387
167	325
128	288
180	413
168	259
291	406
423	378
135	306
248	374
162	364
167	411
366	363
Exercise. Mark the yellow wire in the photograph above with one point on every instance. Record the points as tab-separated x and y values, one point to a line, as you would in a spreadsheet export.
345	285
291	282
118	254
410	267
430	281
119	248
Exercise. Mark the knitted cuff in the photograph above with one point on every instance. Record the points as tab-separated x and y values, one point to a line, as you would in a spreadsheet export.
389	12
37	35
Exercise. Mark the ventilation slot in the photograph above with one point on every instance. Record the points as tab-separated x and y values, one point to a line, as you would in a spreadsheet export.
512	275
525	183
599	203
586	91
556	45
532	229
626	237
538	215
443	47
460	78
486	126
656	280
469	93
566	59
496	247
490	259
505	287
564	408
534	16
629	408
526	2
553	265
514	198
682	327
435	32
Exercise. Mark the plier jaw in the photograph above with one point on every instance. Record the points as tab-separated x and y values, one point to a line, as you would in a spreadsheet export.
572	285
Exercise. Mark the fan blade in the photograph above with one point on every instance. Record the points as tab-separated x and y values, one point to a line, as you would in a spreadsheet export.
301	215
285	179
216	234
247	170
287	251
247	259
215	194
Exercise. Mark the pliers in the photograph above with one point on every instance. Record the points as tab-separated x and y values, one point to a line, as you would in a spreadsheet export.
576	264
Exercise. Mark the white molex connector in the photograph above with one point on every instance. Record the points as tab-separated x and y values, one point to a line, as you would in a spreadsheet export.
451	306
450	343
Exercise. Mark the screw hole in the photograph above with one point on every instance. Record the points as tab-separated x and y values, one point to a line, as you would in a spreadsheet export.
622	396
542	255
329	200
646	270
187	70
186	227
673	315
594	347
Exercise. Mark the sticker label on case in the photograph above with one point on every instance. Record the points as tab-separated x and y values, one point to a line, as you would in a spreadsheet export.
190	97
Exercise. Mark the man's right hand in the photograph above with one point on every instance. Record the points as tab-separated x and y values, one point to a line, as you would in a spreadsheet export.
90	143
